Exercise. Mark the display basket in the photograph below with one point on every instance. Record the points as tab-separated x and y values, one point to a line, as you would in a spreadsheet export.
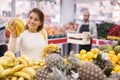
78	38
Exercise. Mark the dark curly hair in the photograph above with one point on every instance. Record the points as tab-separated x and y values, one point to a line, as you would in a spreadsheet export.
41	17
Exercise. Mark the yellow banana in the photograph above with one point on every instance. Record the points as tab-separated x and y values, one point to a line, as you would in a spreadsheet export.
20	24
16	61
7	79
49	49
1	70
14	78
6	58
17	31
36	62
6	61
10	54
21	78
39	62
27	59
18	67
6	72
17	19
35	67
42	63
30	71
22	61
23	74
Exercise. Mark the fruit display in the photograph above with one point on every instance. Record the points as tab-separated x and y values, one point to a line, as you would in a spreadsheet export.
92	65
60	31
19	26
114	46
108	62
108	30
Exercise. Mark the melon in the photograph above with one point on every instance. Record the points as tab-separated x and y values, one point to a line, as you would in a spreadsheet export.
117	49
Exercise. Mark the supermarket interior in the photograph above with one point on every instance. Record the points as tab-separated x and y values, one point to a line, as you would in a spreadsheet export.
60	40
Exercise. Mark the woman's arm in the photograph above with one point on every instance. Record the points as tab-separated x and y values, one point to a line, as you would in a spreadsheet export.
14	44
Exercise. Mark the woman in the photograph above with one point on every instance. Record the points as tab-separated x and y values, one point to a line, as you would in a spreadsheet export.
31	42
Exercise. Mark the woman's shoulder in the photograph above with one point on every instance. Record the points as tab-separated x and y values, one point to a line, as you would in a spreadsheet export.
24	32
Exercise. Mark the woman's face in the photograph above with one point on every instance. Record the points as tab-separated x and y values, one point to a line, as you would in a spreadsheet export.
33	22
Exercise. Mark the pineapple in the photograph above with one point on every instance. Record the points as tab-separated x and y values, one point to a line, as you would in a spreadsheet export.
53	59
115	75
43	74
58	75
60	71
111	79
87	70
105	64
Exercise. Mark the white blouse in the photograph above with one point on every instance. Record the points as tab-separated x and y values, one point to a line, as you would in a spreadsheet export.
30	44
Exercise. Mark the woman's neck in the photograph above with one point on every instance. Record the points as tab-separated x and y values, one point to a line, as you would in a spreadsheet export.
32	30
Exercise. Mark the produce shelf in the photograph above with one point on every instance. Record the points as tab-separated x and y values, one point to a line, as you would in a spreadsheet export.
57	40
94	41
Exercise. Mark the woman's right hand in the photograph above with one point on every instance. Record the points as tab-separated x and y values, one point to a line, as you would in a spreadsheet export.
11	25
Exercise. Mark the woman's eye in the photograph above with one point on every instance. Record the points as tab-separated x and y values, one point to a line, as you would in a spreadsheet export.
30	17
36	19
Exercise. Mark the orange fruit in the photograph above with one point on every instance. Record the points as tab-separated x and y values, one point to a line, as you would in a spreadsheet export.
118	55
110	56
83	57
117	68
95	50
90	55
119	62
83	51
115	59
112	52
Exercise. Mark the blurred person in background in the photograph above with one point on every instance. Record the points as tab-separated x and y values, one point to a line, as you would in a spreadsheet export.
3	47
31	42
87	26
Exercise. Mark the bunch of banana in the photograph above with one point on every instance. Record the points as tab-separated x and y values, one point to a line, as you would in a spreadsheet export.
1	70
25	73
19	26
6	62
51	48
18	73
18	68
10	54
